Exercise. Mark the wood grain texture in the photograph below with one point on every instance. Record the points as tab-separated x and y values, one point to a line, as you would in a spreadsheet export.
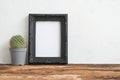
60	72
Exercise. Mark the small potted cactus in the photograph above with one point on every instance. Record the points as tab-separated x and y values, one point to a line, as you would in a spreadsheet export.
18	50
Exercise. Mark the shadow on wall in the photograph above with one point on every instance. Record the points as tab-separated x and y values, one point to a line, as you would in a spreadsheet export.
26	29
26	36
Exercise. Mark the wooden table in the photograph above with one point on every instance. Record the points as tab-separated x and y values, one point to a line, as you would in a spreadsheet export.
60	72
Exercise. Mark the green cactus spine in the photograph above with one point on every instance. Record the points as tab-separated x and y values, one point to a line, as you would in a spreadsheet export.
17	41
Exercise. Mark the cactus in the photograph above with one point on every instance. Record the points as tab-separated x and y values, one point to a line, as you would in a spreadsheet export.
17	41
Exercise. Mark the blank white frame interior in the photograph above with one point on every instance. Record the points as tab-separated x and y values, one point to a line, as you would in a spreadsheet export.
47	39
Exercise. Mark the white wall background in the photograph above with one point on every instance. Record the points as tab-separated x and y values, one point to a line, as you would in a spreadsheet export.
94	27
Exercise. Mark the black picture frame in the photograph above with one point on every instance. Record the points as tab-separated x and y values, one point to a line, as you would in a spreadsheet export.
63	59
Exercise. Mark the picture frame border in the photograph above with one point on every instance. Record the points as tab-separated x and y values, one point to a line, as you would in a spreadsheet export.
63	19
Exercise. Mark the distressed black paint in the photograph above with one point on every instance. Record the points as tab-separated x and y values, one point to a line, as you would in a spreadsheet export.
32	30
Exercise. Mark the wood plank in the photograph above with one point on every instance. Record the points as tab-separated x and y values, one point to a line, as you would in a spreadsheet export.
60	72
